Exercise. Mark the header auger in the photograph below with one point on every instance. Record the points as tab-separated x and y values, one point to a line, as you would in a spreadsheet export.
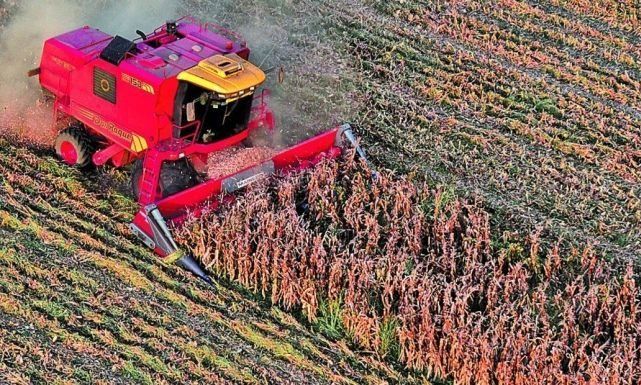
166	102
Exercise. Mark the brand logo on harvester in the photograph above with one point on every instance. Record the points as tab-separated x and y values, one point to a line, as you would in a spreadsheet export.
137	142
62	63
137	83
247	181
104	85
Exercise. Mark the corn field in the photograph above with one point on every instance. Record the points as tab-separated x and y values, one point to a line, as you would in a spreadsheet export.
417	276
502	249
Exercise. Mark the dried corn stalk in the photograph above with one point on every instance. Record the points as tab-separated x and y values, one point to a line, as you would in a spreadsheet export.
389	249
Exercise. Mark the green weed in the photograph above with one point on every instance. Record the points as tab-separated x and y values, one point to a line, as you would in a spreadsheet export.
138	375
548	106
52	309
389	338
329	321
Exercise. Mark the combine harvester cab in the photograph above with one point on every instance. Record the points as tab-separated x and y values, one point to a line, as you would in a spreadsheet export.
166	102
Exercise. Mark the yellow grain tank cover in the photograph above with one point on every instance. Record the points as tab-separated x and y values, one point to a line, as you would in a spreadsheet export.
229	76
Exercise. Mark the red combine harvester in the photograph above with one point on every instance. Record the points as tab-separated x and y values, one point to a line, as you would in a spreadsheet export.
165	102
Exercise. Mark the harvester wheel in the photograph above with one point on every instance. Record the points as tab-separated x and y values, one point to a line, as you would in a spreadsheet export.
174	177
75	147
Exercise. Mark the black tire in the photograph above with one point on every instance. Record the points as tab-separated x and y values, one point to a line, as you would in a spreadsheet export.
174	177
76	136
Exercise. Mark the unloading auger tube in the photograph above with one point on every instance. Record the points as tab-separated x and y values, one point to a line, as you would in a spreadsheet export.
163	240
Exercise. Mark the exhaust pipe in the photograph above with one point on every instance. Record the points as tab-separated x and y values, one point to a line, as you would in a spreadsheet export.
33	72
163	240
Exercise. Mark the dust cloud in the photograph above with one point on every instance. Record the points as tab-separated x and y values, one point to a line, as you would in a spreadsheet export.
285	34
25	25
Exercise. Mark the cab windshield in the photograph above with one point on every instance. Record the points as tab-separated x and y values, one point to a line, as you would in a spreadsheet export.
219	118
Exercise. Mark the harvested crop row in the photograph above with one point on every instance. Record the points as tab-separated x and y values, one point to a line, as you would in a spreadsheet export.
575	125
617	14
411	273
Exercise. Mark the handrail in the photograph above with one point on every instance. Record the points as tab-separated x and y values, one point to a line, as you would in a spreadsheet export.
264	94
193	136
207	26
213	27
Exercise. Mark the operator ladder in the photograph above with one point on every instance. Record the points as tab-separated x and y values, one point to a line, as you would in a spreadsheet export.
149	177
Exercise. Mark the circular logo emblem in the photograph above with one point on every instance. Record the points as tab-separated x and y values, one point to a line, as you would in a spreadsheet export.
104	85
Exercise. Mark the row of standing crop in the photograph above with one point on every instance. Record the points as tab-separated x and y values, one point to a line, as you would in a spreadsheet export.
415	276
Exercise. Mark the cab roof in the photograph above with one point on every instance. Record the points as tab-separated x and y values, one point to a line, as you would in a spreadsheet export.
234	77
